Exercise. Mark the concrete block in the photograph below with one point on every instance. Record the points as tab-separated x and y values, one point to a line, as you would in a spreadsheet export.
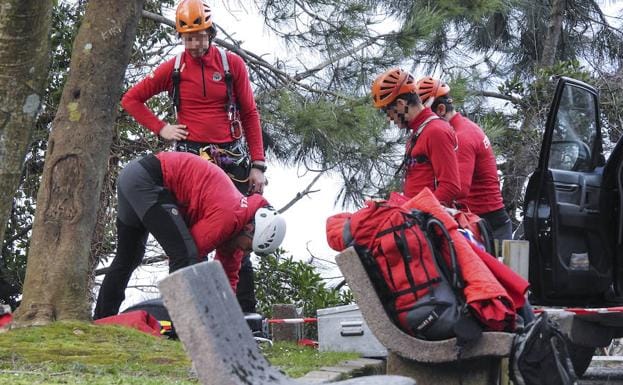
212	328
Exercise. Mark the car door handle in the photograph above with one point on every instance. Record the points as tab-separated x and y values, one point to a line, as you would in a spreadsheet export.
566	187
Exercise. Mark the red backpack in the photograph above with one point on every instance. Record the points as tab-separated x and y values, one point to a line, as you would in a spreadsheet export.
402	255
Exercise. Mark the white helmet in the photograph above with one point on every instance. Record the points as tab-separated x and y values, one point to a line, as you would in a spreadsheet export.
270	229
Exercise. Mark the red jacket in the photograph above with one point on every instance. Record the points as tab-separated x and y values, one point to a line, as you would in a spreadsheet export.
441	172
480	186
203	96
214	210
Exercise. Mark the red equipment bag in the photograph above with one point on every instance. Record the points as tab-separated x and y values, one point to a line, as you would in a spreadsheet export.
140	320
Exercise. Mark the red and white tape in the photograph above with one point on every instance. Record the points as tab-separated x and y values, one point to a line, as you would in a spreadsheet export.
291	320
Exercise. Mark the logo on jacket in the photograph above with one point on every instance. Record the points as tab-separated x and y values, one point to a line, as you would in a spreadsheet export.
217	76
244	202
486	142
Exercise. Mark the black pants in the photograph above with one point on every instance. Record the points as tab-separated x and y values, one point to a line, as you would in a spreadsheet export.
245	292
500	223
144	207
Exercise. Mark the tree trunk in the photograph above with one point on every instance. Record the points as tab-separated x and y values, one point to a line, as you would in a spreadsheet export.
554	29
24	45
524	160
56	285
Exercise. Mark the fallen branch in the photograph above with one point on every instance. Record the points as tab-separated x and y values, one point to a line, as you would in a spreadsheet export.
146	262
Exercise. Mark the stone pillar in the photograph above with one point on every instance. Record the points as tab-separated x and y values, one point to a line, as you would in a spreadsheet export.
285	332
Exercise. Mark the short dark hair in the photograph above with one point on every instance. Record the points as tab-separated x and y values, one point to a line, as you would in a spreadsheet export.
411	98
445	100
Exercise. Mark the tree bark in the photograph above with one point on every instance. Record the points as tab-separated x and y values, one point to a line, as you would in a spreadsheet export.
24	45
57	274
519	166
554	29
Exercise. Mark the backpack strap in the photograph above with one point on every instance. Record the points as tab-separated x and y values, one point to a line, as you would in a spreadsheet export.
408	159
347	234
175	78
467	329
378	281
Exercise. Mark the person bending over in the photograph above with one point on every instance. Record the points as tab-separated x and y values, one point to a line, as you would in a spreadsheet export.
191	207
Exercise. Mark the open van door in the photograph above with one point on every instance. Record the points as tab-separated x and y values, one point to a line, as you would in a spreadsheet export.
571	239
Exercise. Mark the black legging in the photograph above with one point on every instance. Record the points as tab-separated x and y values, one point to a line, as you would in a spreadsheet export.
144	207
174	238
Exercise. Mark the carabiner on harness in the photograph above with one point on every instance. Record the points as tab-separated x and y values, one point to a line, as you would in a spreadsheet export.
235	126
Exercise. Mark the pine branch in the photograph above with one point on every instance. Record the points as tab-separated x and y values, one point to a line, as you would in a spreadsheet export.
301	194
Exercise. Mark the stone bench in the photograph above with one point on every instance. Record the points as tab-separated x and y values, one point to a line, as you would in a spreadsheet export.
431	362
212	328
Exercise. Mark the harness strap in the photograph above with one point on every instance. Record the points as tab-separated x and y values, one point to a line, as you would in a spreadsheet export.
235	126
175	78
408	159
230	107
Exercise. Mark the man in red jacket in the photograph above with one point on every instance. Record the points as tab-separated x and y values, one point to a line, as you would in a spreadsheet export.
191	207
216	109
480	185
430	158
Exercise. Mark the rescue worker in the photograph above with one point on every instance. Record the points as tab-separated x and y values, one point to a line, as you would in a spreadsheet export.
430	158
480	185
191	207
216	111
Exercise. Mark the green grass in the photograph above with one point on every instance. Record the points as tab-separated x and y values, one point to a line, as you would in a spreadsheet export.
295	360
82	353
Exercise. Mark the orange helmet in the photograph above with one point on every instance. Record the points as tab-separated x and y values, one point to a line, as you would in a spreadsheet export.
428	87
388	85
192	16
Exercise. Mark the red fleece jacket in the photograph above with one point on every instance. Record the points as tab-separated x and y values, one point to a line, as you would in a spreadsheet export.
480	186
441	172
203	97
214	210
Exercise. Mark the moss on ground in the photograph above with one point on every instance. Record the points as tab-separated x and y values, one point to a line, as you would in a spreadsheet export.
83	353
296	360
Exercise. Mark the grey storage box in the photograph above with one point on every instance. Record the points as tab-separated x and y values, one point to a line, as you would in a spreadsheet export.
343	329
